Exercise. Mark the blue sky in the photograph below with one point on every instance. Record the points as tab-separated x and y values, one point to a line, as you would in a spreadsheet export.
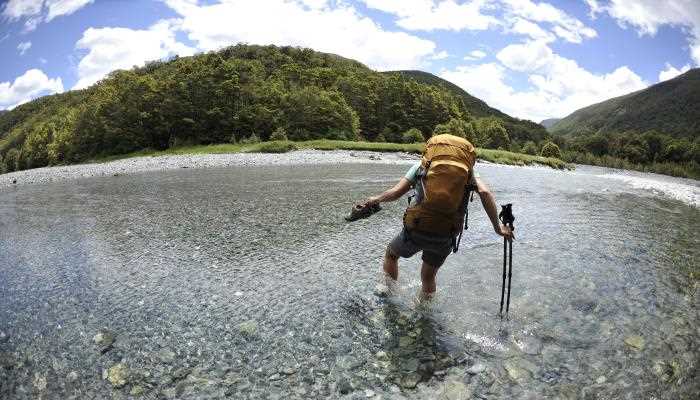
531	59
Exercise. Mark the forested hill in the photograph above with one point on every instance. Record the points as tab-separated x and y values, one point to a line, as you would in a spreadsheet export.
244	93
548	123
671	107
521	130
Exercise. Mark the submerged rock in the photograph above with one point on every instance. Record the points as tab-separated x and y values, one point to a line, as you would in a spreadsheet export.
635	342
166	356
248	328
39	382
4	337
516	372
137	390
410	381
118	375
667	371
104	339
476	369
455	390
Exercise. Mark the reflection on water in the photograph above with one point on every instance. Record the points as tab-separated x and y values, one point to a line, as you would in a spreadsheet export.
247	283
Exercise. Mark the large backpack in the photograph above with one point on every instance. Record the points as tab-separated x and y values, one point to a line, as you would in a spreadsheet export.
445	177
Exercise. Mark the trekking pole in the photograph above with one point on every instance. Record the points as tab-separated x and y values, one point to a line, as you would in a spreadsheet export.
507	218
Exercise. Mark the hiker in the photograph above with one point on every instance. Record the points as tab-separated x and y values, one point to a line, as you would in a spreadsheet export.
442	181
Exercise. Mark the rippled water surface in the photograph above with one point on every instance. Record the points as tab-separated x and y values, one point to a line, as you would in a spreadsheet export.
247	283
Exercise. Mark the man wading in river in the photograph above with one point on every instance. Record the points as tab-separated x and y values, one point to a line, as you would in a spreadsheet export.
443	181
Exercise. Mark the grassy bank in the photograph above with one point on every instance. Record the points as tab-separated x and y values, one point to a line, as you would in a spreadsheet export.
683	170
494	156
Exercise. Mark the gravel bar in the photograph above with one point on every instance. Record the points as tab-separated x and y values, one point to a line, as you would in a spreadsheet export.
160	163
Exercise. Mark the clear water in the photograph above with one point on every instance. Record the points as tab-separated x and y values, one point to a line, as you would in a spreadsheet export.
247	283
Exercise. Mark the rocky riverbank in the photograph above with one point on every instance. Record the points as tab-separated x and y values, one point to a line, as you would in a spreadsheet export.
160	163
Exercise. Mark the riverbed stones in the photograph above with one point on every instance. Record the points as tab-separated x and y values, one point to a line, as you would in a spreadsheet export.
72	376
39	382
104	339
635	342
118	375
516	371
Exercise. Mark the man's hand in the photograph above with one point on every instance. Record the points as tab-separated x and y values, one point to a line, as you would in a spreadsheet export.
505	231
371	201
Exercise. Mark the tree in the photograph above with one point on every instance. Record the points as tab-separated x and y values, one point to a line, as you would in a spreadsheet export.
530	148
413	135
677	151
279	134
549	149
491	133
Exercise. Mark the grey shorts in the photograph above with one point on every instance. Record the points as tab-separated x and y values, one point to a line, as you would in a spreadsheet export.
435	248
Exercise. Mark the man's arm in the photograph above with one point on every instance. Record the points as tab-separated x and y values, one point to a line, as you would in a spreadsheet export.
489	203
392	194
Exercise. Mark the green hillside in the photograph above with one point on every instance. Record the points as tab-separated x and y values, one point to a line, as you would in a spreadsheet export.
548	123
518	129
671	107
244	94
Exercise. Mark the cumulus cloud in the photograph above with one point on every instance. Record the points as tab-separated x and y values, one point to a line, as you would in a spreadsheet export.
37	11
23	47
524	27
475	55
647	16
26	87
336	29
671	72
557	86
428	15
110	49
564	25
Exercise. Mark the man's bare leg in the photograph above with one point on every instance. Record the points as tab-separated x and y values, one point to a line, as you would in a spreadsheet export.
391	265
427	277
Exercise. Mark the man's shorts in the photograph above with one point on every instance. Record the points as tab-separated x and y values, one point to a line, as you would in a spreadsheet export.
435	248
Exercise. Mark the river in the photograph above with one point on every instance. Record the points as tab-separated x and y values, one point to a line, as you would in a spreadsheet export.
247	283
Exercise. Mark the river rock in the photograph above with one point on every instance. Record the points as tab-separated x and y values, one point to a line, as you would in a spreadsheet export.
667	371
635	342
405	341
72	376
118	375
410	381
4	337
348	362
104	339
476	369
166	356
516	372
248	328
455	390
39	382
382	356
531	345
601	380
137	390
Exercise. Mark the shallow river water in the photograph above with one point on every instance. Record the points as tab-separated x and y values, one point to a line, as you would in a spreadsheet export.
247	283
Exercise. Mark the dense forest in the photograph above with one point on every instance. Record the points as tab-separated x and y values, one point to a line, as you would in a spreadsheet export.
243	93
656	129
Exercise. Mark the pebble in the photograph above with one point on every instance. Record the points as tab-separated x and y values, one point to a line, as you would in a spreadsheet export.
39	382
72	376
166	356
476	369
601	379
635	342
248	328
4	337
104	339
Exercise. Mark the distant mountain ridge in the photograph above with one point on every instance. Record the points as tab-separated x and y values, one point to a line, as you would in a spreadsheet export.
671	107
548	123
518	129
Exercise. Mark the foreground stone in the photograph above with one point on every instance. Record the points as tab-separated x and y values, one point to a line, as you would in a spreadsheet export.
118	375
635	342
104	339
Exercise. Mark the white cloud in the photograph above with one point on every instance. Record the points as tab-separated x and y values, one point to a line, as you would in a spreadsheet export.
557	86
524	27
671	72
42	60
23	47
428	15
647	16
27	87
16	9
38	11
475	55
109	49
335	29
440	56
565	26
64	7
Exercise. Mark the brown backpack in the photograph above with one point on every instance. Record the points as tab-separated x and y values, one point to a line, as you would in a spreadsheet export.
446	170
